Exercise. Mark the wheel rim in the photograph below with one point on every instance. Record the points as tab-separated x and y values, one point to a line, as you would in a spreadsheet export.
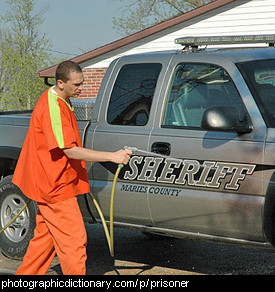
11	205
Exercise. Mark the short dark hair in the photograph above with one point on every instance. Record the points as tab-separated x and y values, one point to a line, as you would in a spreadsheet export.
65	68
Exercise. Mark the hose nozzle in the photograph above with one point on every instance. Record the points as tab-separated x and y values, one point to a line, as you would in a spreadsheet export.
132	149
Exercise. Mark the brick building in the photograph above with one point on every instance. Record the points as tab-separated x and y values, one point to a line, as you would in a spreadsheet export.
93	78
221	17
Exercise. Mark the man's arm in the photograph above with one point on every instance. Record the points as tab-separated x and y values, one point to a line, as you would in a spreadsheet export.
85	154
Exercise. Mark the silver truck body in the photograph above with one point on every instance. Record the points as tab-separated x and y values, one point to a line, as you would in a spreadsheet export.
208	183
195	207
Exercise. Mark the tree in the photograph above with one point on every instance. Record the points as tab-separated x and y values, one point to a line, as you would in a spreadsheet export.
23	53
141	14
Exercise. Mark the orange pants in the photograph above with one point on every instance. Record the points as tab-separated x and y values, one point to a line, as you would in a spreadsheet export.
59	230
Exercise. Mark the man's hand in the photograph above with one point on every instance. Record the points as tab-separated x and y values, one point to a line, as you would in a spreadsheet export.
121	156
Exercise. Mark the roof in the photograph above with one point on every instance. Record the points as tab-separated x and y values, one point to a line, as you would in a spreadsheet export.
234	55
50	72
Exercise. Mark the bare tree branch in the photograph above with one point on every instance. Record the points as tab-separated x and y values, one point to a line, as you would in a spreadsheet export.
140	14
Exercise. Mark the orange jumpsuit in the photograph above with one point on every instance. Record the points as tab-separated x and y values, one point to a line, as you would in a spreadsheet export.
45	174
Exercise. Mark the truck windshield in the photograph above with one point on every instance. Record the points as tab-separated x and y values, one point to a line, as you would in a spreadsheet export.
260	78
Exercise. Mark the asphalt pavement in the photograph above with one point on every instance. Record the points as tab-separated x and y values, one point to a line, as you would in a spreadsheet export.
137	254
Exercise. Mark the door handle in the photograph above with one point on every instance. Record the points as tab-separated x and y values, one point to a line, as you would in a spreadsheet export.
161	148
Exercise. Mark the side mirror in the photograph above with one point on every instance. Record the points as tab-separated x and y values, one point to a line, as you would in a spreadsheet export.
224	118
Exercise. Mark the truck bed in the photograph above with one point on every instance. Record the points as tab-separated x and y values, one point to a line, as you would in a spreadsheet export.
16	113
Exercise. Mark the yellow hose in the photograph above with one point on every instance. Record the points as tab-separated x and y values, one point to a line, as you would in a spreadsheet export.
14	218
112	209
109	236
102	220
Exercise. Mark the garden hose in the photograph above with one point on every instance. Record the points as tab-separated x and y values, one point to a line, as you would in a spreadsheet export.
120	166
109	236
15	217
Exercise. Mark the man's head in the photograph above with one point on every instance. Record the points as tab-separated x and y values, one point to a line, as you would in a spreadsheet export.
69	79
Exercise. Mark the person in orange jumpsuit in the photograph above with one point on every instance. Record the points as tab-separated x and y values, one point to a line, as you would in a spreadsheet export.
51	170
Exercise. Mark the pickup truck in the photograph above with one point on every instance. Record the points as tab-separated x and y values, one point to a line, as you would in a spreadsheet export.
201	124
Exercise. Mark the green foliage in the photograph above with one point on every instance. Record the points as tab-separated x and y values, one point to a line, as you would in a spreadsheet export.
23	53
141	14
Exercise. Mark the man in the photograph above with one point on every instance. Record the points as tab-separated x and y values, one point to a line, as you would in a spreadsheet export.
51	170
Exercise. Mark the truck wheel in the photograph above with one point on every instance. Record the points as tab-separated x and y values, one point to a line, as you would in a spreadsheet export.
15	239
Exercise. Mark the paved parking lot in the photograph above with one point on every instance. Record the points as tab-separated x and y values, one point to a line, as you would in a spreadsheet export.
136	254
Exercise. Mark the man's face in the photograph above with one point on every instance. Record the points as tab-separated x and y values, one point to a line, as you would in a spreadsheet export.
74	86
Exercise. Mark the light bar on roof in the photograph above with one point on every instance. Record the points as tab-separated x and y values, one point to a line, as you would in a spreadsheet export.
225	40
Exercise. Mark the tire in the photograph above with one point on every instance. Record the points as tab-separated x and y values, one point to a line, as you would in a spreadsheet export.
15	239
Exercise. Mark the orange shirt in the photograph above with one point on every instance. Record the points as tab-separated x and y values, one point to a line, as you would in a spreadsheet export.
43	172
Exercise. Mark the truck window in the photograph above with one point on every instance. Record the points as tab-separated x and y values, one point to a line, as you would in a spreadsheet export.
194	88
260	78
132	94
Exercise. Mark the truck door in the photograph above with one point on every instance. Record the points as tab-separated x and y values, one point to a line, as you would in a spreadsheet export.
212	183
125	118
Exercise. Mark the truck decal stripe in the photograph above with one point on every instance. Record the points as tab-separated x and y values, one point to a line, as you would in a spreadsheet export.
187	172
55	116
209	174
